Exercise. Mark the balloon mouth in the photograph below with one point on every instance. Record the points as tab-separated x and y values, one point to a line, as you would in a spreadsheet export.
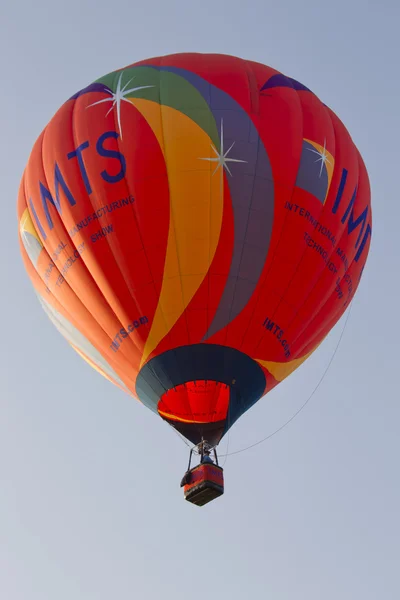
201	389
197	409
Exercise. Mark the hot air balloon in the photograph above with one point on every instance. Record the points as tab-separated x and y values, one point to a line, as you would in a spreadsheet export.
195	225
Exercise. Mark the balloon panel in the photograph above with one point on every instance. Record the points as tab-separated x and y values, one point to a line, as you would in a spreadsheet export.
195	225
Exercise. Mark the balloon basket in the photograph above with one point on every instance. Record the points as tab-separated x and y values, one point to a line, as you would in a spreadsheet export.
203	483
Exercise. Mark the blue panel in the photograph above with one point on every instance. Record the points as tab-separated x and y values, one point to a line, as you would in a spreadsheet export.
209	362
280	80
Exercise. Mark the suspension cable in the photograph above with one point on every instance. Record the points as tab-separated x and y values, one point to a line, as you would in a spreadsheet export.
269	436
302	406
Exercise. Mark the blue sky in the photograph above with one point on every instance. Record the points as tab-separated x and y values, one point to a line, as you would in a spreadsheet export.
90	504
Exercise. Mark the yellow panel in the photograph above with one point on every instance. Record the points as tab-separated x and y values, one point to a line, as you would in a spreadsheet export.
26	224
93	364
329	163
175	418
282	370
99	370
196	207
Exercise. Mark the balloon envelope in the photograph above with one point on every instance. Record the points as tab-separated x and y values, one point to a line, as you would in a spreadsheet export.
195	225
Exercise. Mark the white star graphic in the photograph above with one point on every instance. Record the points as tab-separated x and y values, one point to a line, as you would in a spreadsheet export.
118	97
32	244
24	233
222	158
323	157
22	225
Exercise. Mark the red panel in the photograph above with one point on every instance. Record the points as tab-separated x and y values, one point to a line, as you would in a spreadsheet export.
97	191
196	402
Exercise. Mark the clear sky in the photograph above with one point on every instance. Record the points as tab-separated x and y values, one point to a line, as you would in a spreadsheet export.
90	504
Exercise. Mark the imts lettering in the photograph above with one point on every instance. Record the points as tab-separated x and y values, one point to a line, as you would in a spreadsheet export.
69	262
314	222
360	222
61	185
61	246
102	233
124	333
48	271
100	212
352	222
339	290
320	250
278	333
341	253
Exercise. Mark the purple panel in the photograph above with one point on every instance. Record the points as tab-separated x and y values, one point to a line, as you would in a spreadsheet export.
280	80
312	175
93	87
251	186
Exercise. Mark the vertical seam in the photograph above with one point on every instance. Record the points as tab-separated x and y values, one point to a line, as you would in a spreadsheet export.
323	270
273	256
172	222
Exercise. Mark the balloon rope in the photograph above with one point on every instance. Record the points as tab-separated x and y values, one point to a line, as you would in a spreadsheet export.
227	449
179	435
302	406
